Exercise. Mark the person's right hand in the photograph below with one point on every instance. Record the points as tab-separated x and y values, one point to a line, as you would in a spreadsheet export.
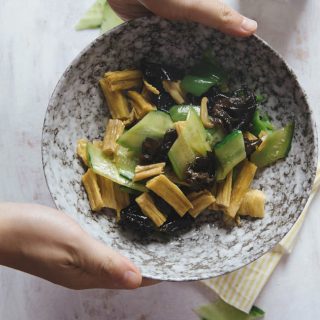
213	13
48	244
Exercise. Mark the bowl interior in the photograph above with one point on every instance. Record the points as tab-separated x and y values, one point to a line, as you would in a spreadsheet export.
77	110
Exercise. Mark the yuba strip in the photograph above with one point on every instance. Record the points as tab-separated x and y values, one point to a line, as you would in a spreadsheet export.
241	186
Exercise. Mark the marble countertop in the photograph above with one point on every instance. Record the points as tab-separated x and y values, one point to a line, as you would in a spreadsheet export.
37	42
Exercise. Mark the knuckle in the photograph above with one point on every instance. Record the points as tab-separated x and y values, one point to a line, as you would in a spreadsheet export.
105	267
226	14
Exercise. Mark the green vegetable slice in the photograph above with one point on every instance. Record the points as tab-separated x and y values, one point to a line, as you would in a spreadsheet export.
109	19
195	134
180	112
256	312
220	310
99	15
229	152
92	19
181	156
126	162
191	143
205	74
154	125
215	135
261	122
276	146
104	166
198	85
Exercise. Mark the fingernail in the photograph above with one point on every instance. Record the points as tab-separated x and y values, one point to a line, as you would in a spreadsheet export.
248	25
132	279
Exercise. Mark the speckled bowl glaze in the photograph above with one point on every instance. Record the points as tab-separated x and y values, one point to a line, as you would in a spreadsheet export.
77	109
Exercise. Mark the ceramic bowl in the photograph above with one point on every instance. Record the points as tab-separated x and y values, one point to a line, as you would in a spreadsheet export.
77	109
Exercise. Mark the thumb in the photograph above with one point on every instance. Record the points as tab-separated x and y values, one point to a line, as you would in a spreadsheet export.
213	13
106	268
219	15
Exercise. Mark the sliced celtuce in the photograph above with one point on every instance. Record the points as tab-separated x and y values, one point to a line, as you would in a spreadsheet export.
240	188
114	130
171	193
200	201
89	180
253	204
154	125
149	87
105	166
123	80
175	91
140	105
126	162
151	170
149	209
207	123
82	151
117	103
224	189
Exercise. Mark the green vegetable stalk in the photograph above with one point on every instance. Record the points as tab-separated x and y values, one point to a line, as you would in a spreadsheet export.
100	15
220	310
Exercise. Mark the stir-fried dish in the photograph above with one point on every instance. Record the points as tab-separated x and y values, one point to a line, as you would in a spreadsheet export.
179	142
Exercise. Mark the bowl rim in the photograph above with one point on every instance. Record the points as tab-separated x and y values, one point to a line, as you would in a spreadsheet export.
265	45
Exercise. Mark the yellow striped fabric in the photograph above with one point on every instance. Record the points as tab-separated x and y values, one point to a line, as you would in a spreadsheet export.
241	288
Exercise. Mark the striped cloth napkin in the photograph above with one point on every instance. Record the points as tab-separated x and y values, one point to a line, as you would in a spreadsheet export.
242	287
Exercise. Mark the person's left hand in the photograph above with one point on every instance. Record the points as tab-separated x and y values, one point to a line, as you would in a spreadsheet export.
47	243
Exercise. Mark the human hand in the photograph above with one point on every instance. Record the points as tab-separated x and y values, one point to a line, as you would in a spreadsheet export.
48	244
213	13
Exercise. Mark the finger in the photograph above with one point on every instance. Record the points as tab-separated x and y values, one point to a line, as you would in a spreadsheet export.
219	15
214	13
107	268
128	9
